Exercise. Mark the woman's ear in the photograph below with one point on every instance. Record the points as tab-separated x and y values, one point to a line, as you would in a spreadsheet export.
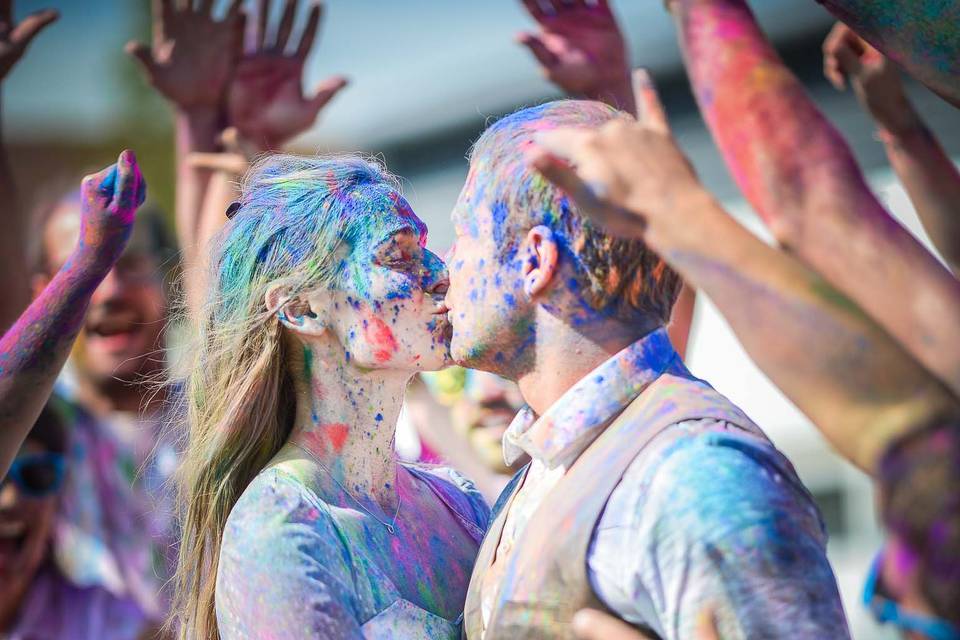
541	256
298	313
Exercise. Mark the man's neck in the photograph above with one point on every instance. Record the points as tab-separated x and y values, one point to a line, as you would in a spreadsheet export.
346	419
566	354
116	395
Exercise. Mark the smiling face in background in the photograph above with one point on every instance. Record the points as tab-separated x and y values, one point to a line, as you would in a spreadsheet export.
122	331
387	309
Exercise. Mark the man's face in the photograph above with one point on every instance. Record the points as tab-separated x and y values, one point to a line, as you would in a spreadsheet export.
491	317
121	337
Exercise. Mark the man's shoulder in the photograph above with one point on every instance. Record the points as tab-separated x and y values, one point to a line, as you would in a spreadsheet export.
700	470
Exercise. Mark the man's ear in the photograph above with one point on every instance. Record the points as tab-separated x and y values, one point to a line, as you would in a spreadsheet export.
297	313
541	257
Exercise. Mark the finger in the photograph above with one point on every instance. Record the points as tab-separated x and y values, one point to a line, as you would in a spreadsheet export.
534	9
326	90
263	17
6	11
234	8
99	185
848	61
205	7
539	50
33	24
832	72
286	25
590	624
650	111
563	143
128	190
234	163
310	30
142	54
707	626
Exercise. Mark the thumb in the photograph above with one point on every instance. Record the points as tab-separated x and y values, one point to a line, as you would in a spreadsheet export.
33	24
130	190
539	49
326	91
143	54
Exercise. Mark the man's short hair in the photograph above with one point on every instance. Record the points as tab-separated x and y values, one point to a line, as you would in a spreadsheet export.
617	277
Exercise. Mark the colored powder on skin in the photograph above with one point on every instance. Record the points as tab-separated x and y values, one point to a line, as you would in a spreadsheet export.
378	334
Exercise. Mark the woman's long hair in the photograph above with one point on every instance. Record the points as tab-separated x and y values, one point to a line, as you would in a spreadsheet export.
297	221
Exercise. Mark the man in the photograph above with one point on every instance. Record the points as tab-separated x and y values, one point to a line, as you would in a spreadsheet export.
648	494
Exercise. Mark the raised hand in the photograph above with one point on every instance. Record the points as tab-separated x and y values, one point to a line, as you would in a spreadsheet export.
581	49
34	349
266	100
193	54
625	175
14	38
874	78
109	201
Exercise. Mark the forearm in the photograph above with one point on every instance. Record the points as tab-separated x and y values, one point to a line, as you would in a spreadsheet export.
222	189
855	383
800	176
196	131
932	181
920	35
33	350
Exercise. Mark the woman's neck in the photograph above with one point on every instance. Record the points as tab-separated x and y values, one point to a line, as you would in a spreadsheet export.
346	419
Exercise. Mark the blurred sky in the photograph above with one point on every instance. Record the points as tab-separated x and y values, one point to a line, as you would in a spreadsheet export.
415	65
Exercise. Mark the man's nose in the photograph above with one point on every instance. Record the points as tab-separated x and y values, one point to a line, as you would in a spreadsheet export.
109	288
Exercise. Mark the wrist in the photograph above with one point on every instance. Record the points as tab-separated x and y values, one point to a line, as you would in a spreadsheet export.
692	214
896	117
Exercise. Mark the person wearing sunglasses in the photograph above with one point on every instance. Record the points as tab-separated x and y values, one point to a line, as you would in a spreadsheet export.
37	601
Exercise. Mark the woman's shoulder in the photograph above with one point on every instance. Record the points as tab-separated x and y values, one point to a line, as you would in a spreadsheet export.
276	505
456	488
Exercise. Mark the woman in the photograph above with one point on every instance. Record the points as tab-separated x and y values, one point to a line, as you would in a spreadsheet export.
298	521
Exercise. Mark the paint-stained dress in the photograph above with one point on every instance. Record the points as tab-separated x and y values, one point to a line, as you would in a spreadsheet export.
291	568
704	516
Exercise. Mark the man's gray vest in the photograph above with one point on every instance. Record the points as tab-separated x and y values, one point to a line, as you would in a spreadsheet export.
545	580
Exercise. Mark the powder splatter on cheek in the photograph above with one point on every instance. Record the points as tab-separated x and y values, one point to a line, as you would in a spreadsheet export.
380	337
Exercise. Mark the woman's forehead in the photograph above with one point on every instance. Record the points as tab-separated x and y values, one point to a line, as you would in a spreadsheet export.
388	213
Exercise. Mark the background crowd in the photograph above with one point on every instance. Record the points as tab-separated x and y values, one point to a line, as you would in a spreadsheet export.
848	314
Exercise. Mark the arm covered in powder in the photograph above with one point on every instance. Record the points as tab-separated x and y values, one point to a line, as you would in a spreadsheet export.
922	36
726	524
839	367
929	176
34	349
801	177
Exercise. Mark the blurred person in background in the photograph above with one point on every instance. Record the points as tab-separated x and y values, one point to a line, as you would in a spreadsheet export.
37	600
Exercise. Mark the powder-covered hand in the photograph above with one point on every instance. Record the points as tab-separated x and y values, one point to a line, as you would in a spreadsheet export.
874	78
266	101
14	38
581	49
109	201
193	54
626	175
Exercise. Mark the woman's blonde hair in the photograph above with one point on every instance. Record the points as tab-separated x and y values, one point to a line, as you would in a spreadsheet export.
299	218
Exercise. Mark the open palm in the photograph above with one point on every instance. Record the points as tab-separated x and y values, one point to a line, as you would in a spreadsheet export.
579	45
14	38
266	100
191	58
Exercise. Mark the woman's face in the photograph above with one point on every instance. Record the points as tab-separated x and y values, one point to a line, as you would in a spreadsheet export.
388	311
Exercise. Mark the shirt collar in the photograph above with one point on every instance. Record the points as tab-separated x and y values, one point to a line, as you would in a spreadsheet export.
582	413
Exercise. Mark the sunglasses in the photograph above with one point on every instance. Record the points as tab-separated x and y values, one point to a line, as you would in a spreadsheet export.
37	475
886	610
